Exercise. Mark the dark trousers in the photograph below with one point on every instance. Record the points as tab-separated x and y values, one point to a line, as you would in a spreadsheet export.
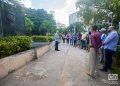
75	43
56	45
108	59
63	40
83	44
70	41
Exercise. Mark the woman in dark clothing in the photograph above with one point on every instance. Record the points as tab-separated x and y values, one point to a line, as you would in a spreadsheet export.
88	40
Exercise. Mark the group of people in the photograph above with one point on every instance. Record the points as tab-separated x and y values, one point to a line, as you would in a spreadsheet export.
102	45
76	39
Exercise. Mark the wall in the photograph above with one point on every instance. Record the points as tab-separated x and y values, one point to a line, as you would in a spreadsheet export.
12	63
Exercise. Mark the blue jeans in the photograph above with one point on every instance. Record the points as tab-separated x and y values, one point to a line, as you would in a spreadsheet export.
75	43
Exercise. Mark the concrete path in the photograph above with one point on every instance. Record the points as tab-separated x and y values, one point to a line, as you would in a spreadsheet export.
63	68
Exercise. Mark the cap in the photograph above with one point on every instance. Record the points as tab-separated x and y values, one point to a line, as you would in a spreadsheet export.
103	29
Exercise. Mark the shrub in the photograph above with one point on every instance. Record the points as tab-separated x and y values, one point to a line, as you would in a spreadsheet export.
39	39
117	56
51	38
14	44
42	38
25	43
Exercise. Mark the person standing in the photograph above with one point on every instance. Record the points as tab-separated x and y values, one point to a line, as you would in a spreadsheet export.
57	40
70	38
63	38
95	43
75	39
88	41
83	41
101	50
110	45
79	39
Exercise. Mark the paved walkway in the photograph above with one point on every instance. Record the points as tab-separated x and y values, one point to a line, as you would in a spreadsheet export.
63	68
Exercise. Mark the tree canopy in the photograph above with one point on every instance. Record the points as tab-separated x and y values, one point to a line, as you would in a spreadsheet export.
95	11
18	20
43	22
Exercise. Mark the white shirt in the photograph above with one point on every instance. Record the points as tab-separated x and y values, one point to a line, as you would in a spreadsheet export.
57	38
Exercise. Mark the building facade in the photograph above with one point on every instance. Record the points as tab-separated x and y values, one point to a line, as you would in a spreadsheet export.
73	18
60	25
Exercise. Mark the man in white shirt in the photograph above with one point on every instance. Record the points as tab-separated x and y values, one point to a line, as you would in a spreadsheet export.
57	40
102	51
83	40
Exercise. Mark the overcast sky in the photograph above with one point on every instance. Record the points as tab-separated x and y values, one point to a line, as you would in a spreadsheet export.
62	8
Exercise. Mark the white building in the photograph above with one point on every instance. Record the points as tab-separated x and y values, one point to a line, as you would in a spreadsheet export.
60	25
73	18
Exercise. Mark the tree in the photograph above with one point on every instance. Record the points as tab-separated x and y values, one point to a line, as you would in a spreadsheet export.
15	22
43	22
29	25
12	17
85	10
100	10
46	27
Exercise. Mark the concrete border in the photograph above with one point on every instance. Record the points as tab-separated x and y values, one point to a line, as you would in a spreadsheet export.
14	62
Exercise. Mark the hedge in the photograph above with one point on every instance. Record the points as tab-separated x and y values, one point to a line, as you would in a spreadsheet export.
42	38
14	44
51	38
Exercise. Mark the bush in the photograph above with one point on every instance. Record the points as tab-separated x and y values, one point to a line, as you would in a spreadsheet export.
51	38
42	38
14	44
117	56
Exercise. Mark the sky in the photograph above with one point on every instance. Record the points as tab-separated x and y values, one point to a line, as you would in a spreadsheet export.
62	8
